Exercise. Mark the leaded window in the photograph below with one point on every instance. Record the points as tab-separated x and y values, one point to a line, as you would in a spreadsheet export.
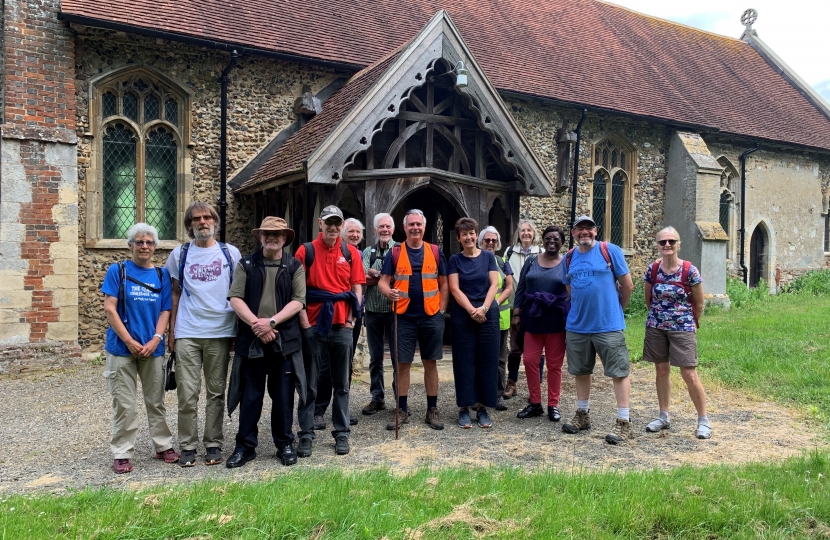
725	203
141	151
827	231
611	190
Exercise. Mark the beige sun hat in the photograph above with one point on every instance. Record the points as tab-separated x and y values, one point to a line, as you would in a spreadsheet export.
277	224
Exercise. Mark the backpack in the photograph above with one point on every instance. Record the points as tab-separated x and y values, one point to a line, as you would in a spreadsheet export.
684	282
396	254
603	247
373	255
122	292
310	253
185	247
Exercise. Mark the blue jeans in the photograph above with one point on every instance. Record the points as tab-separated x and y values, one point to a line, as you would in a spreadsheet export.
338	345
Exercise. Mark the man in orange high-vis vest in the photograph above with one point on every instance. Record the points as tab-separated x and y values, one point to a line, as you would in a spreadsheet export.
414	277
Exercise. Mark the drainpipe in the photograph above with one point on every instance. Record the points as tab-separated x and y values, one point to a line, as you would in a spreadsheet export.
576	175
223	147
743	213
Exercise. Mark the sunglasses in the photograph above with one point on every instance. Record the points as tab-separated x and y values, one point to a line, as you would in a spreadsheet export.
669	242
333	221
148	243
490	241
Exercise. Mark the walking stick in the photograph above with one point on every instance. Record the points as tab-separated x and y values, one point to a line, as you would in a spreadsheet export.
397	372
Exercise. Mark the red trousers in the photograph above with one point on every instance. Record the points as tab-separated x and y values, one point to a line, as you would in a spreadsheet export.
554	347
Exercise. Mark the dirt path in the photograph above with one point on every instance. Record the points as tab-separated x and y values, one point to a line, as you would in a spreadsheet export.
54	435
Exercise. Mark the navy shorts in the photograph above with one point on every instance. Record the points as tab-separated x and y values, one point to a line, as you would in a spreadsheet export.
426	331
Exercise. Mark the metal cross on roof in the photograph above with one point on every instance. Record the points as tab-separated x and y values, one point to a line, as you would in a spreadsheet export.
748	18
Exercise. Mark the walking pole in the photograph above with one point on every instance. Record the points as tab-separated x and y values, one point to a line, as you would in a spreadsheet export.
397	372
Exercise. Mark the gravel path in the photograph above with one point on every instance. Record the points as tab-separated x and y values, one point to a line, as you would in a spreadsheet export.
55	429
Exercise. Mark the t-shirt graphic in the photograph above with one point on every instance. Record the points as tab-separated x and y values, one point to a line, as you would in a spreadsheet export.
595	302
210	272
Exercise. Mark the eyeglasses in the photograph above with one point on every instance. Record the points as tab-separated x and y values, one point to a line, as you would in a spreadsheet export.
271	234
669	242
333	221
551	239
490	241
206	217
148	243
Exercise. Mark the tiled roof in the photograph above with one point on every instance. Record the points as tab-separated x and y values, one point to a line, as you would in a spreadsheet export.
584	52
290	156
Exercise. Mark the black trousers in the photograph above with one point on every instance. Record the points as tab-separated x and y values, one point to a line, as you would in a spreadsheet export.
324	382
274	372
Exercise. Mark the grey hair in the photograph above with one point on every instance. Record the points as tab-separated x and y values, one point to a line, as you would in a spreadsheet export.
379	217
671	230
489	229
142	229
414	211
351	221
516	240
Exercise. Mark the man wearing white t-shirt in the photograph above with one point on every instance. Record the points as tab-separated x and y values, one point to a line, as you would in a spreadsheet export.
202	324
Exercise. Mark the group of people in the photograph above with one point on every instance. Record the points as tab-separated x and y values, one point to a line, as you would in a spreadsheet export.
293	323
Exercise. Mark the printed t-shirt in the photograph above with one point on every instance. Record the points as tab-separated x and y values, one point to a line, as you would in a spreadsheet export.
268	303
473	274
205	312
671	307
331	272
142	306
595	302
416	290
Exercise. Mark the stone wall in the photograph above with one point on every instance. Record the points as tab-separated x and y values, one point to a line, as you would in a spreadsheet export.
261	94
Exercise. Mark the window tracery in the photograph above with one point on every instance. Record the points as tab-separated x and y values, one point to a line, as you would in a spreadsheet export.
611	190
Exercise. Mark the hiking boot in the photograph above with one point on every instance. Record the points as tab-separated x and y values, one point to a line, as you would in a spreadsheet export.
286	453
483	418
352	420
188	458
304	447
213	455
464	419
622	432
534	409
403	418
704	431
580	421
341	445
373	407
433	419
657	425
169	456
121	466
553	414
319	423
509	389
239	458
500	404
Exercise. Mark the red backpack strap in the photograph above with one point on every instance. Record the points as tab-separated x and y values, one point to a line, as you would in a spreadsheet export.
684	276
435	254
603	247
655	266
396	254
568	256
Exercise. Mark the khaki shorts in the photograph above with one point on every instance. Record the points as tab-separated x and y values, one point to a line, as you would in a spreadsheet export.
582	350
679	348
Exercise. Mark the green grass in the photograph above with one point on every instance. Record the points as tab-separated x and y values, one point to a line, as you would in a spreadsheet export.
790	500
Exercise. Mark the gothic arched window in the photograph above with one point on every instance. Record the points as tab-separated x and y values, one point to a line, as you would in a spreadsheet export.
611	190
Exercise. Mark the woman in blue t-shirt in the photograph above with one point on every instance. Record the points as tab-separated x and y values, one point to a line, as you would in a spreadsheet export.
474	278
674	296
137	302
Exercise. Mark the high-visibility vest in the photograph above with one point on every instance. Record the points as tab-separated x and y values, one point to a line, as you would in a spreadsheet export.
429	280
504	307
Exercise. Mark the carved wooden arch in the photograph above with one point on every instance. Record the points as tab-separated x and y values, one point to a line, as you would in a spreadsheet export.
407	134
444	188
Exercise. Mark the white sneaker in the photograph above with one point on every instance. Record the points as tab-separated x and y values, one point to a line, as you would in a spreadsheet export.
657	425
704	431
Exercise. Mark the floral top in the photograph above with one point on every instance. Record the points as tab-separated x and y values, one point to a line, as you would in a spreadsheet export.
671	307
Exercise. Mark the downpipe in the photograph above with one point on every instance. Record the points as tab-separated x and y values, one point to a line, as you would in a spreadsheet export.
223	147
575	181
744	269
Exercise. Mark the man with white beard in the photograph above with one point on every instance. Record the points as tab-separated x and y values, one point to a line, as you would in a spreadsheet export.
202	324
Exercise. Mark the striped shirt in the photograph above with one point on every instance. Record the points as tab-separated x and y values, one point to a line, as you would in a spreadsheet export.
376	302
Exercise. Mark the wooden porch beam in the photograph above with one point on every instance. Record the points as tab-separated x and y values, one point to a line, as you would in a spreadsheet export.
384	174
438	119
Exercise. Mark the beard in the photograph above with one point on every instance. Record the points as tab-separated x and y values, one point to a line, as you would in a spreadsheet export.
204	234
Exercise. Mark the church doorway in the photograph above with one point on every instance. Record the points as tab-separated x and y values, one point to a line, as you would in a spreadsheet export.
440	215
757	256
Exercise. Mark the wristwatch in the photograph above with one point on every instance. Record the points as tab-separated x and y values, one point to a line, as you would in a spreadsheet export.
273	323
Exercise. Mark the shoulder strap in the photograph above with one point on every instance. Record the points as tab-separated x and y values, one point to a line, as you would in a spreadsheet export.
373	254
396	254
227	254
182	259
568	256
603	247
309	255
509	253
684	276
122	294
347	253
161	276
655	266
435	254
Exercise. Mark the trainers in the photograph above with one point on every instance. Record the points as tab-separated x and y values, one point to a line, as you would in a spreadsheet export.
353	420
286	454
509	389
534	409
304	447
657	425
500	404
553	414
188	458
433	419
403	418
213	455
464	419
341	445
121	466
483	418
580	421
622	431
373	407
704	431
169	456
319	423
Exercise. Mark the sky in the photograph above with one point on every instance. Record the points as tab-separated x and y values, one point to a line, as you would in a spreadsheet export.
795	29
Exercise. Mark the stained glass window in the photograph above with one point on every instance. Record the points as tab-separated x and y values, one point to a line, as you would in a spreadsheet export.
119	180
600	184
130	109
160	183
109	105
151	108
725	201
617	208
